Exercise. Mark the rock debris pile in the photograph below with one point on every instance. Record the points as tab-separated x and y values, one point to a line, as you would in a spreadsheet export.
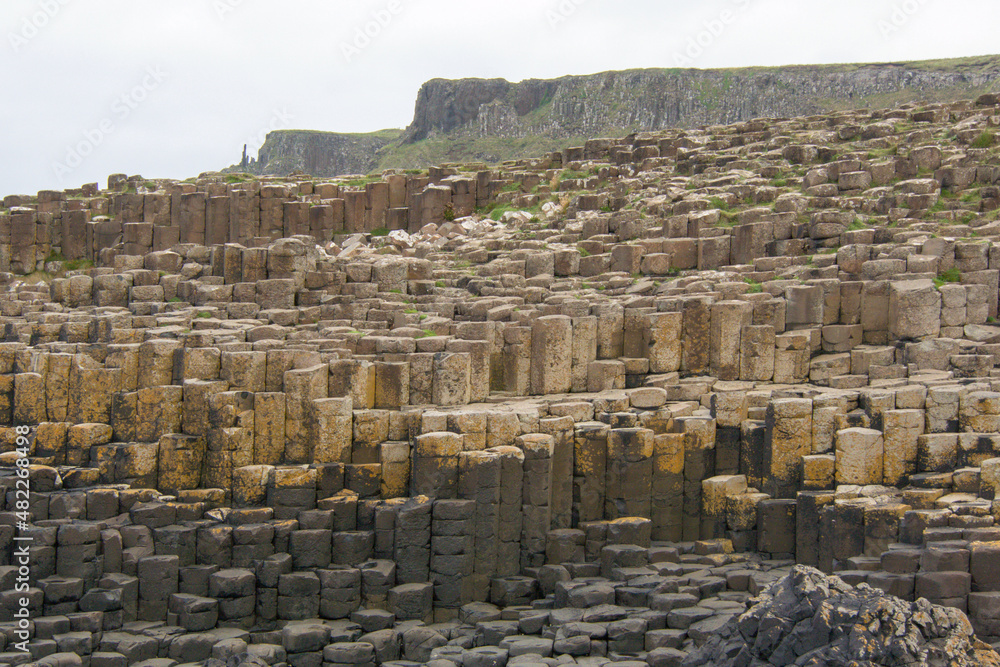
807	618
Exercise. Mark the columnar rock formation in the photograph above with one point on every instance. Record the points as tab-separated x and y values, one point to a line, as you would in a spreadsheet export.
577	408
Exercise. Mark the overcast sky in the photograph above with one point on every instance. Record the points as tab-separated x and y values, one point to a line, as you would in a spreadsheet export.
174	88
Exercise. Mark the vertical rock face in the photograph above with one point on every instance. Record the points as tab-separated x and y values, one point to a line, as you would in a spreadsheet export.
653	99
320	153
444	105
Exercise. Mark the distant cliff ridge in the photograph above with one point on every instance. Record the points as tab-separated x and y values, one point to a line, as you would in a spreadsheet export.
494	119
322	153
658	99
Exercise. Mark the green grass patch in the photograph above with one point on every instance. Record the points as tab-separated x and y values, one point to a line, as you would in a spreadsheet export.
381	231
727	219
78	264
939	205
985	140
718	203
952	275
569	174
971	197
496	212
882	152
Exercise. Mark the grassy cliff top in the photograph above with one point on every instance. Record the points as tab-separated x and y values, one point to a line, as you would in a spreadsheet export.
971	63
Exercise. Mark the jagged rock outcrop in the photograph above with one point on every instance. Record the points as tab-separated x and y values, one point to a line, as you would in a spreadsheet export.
321	153
807	618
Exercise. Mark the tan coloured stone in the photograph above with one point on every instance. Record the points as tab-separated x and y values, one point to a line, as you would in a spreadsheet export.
180	462
156	362
757	353
788	438
902	429
663	341
860	456
158	412
552	355
333	430
979	412
584	350
728	321
914	310
451	383
269	428
244	370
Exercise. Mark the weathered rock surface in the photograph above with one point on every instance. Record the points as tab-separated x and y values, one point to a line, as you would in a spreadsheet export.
807	618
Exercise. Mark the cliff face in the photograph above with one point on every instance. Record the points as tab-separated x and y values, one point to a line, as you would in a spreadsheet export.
639	100
321	153
494	119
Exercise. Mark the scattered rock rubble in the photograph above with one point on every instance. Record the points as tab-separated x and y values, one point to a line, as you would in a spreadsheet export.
572	409
807	618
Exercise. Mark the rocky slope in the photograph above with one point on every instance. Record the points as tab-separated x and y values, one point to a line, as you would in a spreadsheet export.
493	119
355	421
